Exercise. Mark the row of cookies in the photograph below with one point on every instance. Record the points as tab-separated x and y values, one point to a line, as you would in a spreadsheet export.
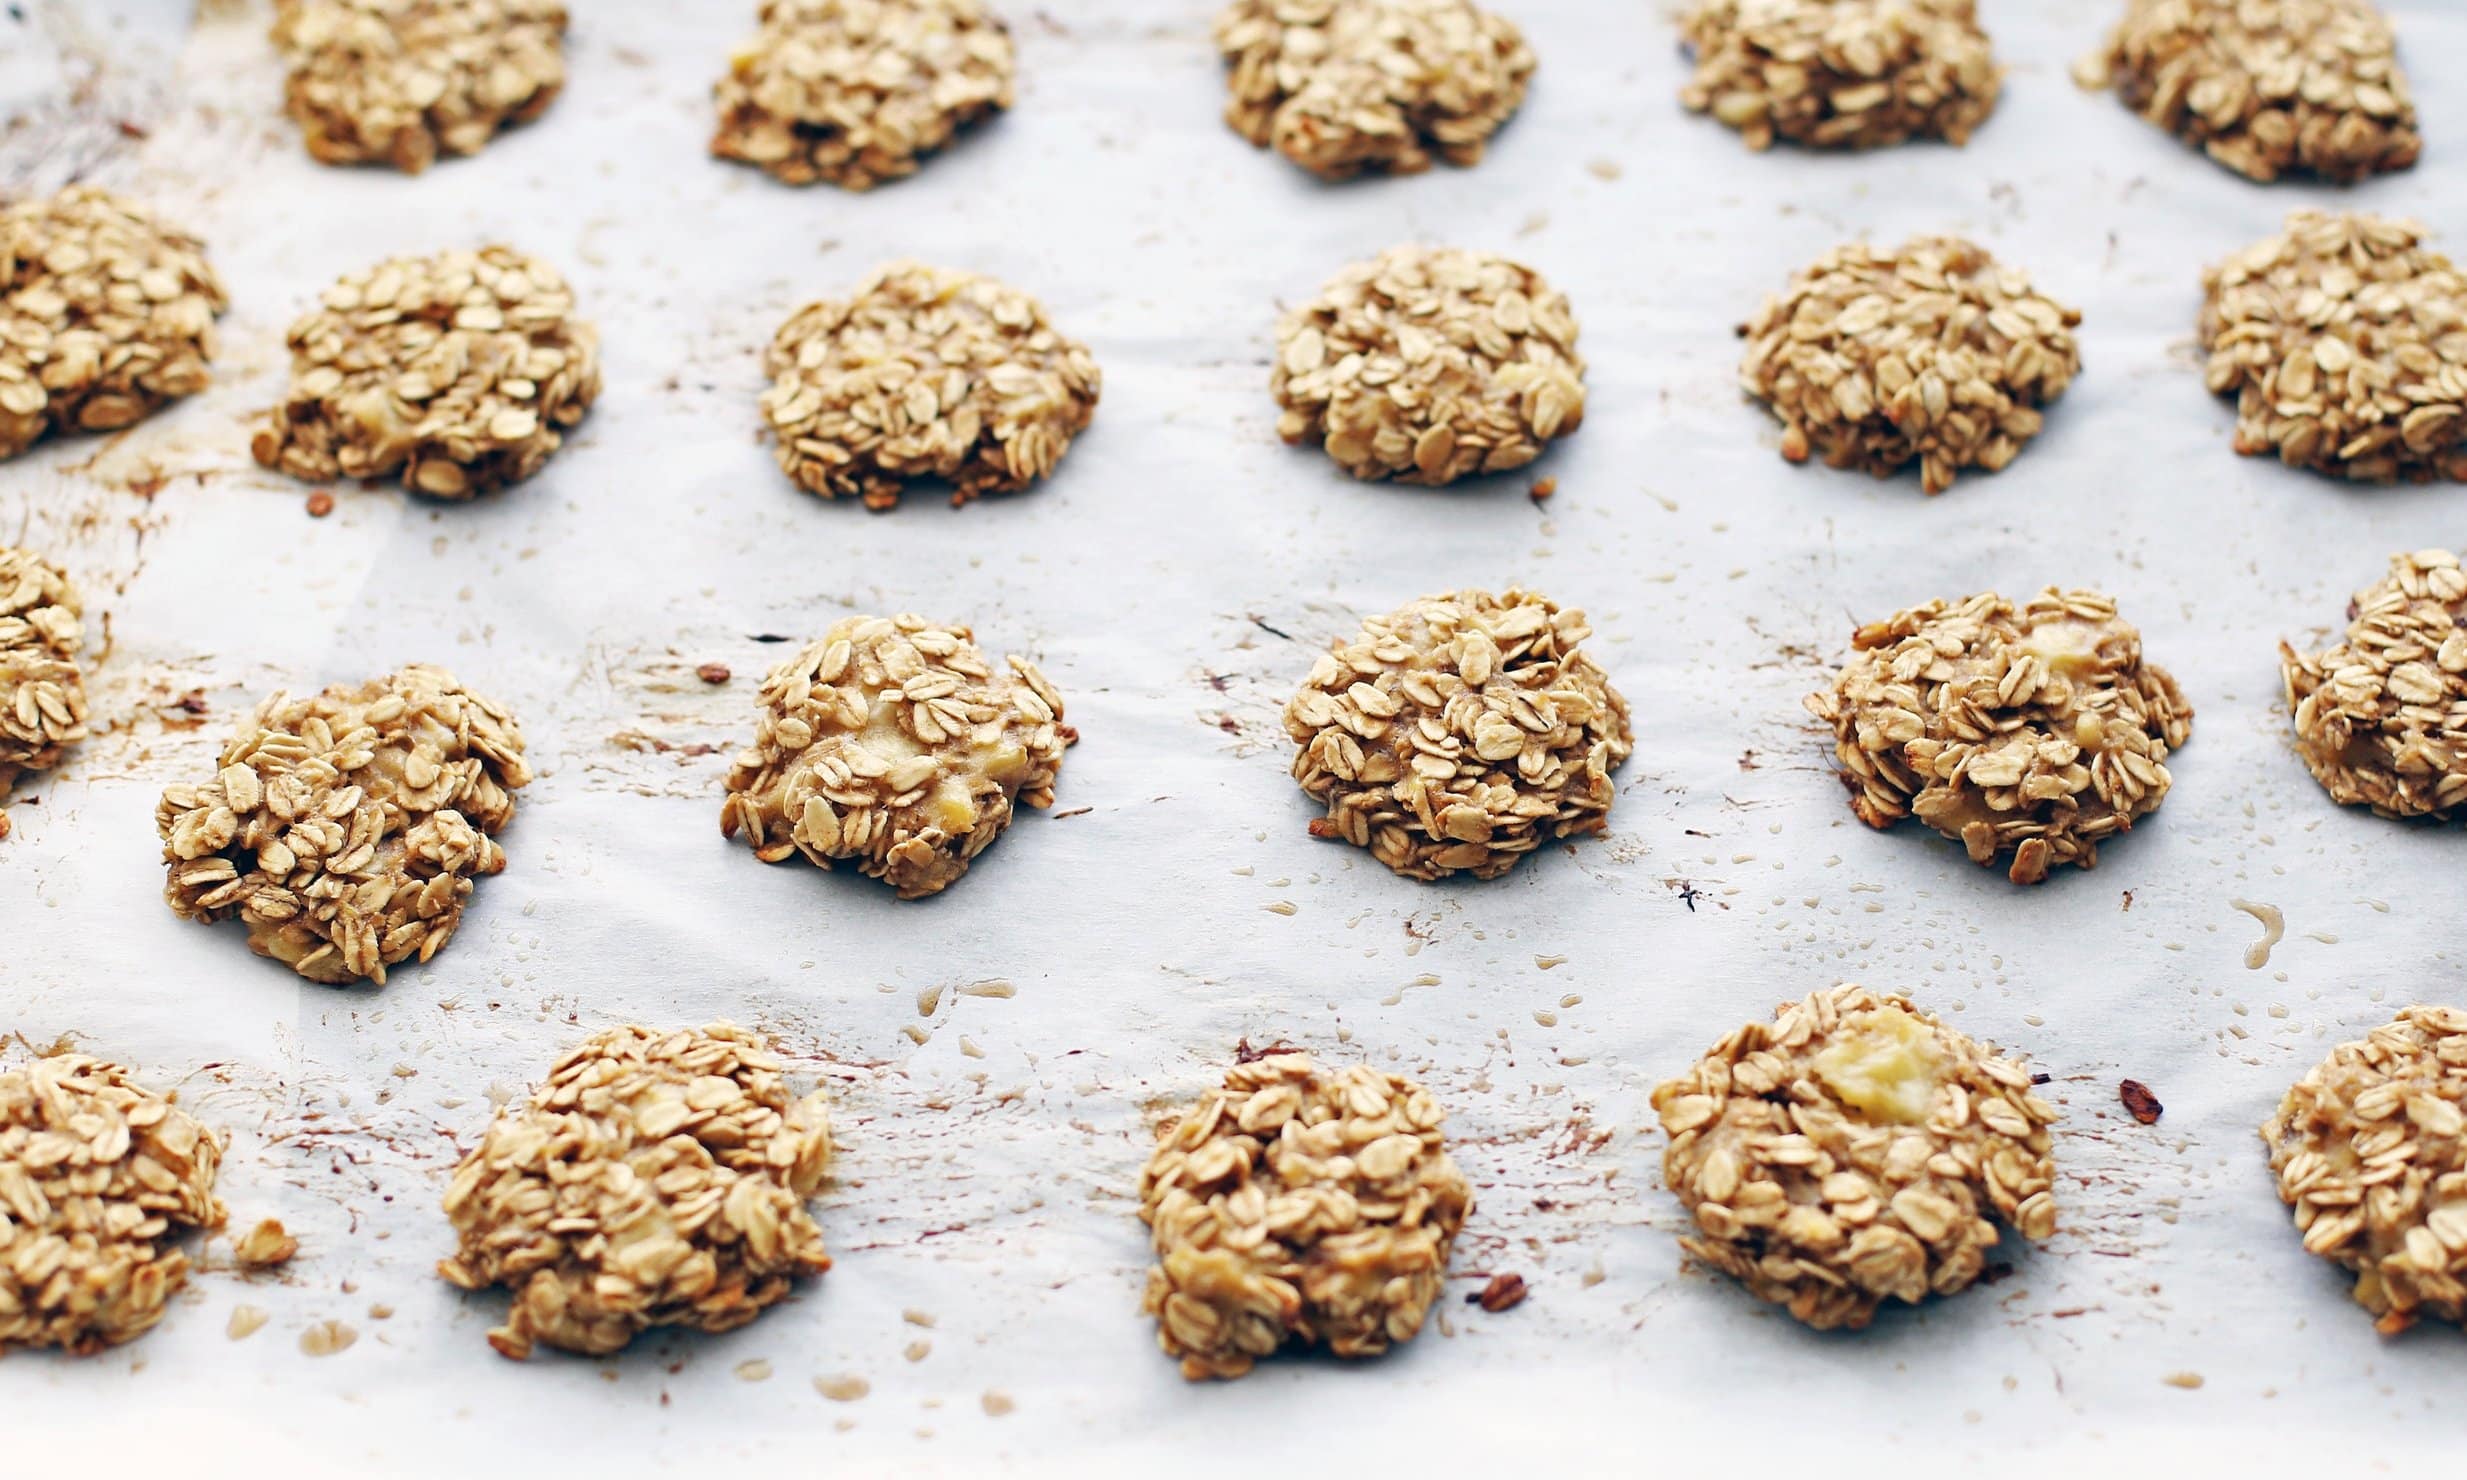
856	92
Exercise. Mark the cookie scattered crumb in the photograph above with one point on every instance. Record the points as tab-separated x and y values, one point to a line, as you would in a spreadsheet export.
2381	717
1932	353
1298	1206
2036	730
399	82
1841	74
346	829
246	1321
1341	87
656	1179
327	1338
1851	1152
266	1245
1460	733
42	688
856	92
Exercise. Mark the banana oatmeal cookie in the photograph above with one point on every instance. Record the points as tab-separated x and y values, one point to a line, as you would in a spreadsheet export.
42	692
106	316
2371	1151
2034	730
1841	74
926	373
2266	87
1459	733
346	829
1932	353
1344	86
461	371
895	743
656	1179
1430	364
400	81
2381	718
1298	1206
2344	342
98	1178
856	92
1852	1151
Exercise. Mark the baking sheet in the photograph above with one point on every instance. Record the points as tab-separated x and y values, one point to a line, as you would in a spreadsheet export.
1173	581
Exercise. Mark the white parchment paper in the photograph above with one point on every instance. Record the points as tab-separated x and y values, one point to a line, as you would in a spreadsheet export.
1174	580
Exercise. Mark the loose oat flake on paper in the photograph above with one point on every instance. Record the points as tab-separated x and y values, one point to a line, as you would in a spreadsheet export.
2381	716
857	92
461	371
925	372
1852	1151
655	1179
106	316
1459	733
1428	364
1932	352
2343	340
1298	1205
894	743
399	82
2035	730
99	1178
1344	86
42	688
1841	74
346	829
2266	87
2370	1148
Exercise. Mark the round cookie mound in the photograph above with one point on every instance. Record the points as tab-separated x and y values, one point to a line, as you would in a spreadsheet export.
97	1178
105	316
2035	730
656	1179
400	81
926	373
895	743
459	371
1933	353
1298	1206
1344	86
2341	340
1841	74
42	692
2266	87
2370	1148
1429	364
856	92
2381	718
346	829
1459	733
1851	1152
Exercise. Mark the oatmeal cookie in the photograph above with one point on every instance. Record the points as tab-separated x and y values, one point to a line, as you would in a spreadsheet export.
2370	1148
2381	718
1298	1206
1344	86
42	691
2266	87
106	316
1852	1151
857	92
2035	730
399	82
1428	364
2344	342
98	1179
346	829
1841	74
1459	733
926	373
656	1179
460	371
1933	353
897	744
